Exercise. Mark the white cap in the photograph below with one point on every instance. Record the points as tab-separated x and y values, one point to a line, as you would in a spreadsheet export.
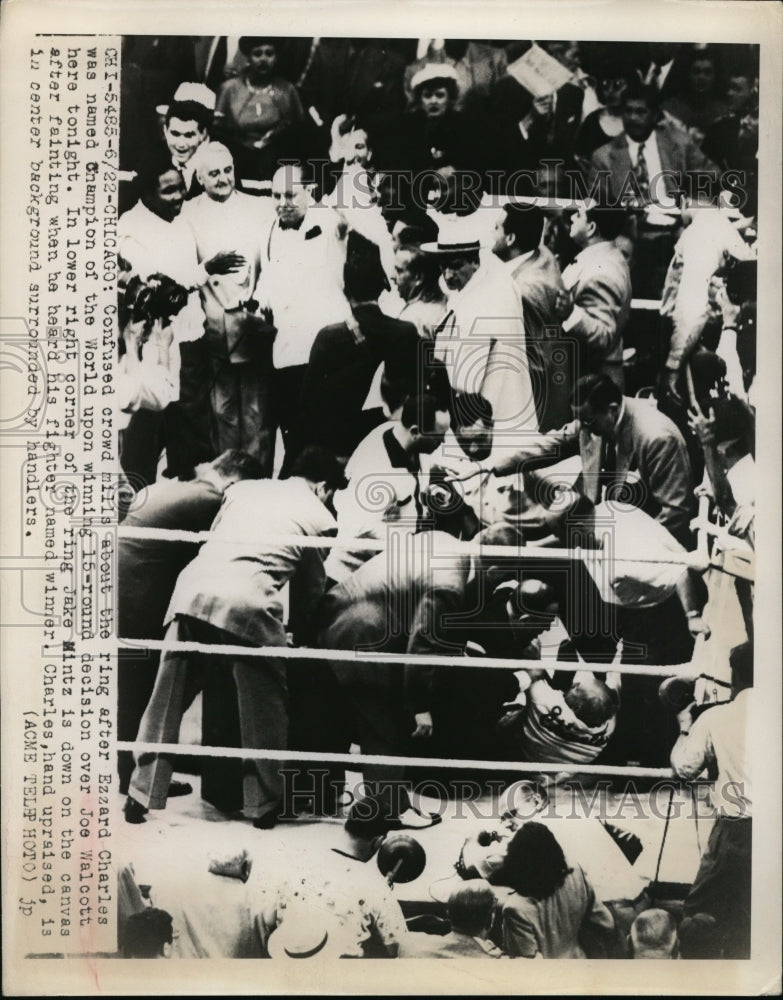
198	92
433	71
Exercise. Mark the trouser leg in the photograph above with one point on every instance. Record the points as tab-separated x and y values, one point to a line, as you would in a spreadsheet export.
262	695
176	685
142	444
224	403
287	394
256	415
136	673
722	887
187	435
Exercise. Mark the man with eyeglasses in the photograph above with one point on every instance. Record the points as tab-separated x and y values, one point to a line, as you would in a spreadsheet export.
621	441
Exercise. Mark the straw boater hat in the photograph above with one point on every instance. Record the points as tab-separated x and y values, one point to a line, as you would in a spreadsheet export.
434	71
308	931
458	235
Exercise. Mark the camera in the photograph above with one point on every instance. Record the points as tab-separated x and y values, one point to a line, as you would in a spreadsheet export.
157	298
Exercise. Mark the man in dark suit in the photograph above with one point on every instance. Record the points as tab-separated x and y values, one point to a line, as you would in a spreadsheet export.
619	440
397	602
649	161
345	357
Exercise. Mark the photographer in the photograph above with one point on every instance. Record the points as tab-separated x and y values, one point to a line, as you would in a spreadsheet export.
148	366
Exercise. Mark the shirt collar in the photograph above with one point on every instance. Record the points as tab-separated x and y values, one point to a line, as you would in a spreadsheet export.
512	265
398	457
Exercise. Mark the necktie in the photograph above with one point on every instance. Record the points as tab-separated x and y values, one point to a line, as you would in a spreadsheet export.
642	175
609	468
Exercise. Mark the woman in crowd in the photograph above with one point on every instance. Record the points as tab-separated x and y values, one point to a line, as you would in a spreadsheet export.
605	123
257	111
701	102
547	904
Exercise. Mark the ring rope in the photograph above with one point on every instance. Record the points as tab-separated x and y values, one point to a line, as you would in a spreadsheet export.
425	659
199	750
380	545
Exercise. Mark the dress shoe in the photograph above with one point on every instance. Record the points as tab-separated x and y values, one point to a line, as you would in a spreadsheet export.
134	811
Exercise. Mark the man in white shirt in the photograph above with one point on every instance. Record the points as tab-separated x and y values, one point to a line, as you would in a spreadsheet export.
225	224
385	481
482	339
301	284
717	739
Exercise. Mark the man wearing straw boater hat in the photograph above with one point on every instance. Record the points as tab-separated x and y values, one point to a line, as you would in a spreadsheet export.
482	339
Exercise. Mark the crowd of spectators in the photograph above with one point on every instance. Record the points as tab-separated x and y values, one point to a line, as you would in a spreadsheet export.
380	290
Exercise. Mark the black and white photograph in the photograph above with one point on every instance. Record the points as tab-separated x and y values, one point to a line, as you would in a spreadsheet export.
387	434
439	359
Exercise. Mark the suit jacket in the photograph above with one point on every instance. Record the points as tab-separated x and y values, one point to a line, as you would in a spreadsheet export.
551	927
648	444
453	945
601	282
610	165
397	604
538	280
340	373
148	568
235	587
482	342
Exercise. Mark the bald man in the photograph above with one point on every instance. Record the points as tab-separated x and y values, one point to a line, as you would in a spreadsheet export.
225	226
301	285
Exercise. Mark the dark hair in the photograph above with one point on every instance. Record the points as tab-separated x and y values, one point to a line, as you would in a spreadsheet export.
470	909
413	234
238	463
525	223
317	465
534	865
468	407
249	42
419	411
452	88
597	390
741	661
363	276
610	222
189	111
742	282
158	297
145	933
463	256
638	91
148	175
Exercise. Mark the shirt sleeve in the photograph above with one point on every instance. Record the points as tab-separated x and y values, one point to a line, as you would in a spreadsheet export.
693	751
